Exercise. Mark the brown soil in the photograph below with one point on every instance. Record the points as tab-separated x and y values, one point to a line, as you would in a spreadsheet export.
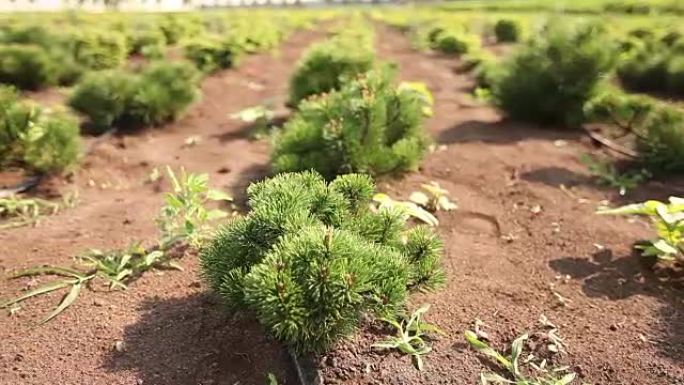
622	322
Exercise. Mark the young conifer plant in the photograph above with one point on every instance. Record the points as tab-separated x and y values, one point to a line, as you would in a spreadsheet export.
368	126
311	258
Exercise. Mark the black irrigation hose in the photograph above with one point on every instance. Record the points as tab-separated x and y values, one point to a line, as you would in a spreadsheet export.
33	180
306	371
24	185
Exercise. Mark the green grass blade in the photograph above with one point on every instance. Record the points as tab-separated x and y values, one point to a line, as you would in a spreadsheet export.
493	378
52	286
394	323
385	345
516	350
271	379
418	361
486	349
175	265
47	270
428	327
567	379
66	302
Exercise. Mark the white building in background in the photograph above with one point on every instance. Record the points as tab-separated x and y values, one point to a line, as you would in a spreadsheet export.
137	5
97	5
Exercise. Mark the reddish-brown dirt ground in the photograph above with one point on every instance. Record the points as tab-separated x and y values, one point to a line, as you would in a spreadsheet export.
516	239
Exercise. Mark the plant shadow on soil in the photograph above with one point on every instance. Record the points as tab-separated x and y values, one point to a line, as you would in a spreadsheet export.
252	174
659	189
249	130
192	340
501	132
605	276
556	176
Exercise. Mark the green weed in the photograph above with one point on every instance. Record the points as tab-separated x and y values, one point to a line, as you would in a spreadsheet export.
183	220
607	174
433	197
668	221
535	373
17	211
410	336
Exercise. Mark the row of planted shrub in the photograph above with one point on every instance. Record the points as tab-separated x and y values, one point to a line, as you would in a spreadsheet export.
630	7
158	93
562	77
311	258
58	51
351	115
653	62
161	91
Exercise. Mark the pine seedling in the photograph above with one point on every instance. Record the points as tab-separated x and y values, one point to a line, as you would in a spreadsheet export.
311	259
410	336
367	126
668	221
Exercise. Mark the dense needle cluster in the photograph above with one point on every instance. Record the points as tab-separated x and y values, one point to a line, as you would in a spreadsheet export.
368	126
311	258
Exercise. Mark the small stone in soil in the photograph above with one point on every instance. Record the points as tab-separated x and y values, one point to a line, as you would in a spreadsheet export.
332	362
119	346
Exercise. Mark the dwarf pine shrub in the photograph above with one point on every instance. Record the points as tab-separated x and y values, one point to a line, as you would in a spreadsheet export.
507	31
454	41
52	142
158	94
310	258
488	71
368	126
212	54
34	138
177	28
26	66
549	80
103	97
161	93
99	49
144	39
324	66
26	34
661	147
253	35
675	75
614	106
644	66
14	118
658	127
